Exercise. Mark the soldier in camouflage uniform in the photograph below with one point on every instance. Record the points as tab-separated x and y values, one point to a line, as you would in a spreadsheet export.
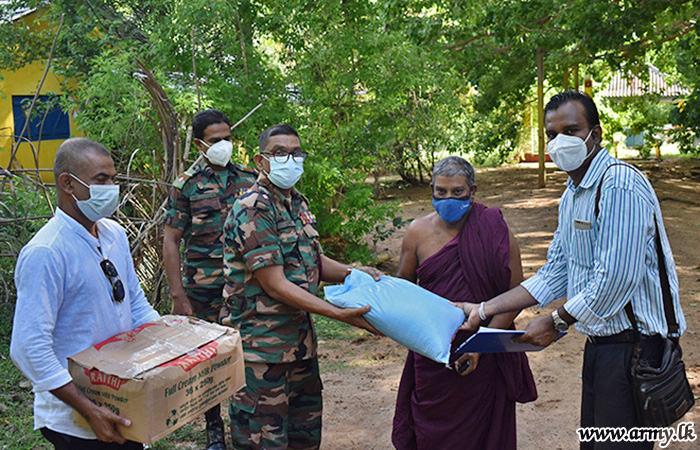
273	263
197	207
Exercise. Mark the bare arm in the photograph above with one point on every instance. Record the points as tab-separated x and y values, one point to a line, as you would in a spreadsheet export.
102	421
335	272
171	261
408	262
277	286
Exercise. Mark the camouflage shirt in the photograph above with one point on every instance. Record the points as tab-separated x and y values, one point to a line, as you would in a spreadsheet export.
263	229
198	205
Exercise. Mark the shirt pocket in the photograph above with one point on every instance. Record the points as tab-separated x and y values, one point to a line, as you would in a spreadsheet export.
582	248
289	242
310	250
206	212
310	231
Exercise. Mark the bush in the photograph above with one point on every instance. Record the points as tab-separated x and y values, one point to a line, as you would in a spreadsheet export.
25	208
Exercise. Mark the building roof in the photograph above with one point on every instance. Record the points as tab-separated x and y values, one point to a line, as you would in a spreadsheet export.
13	14
630	85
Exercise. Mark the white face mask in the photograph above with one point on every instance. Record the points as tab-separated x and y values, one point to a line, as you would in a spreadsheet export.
103	201
218	153
285	175
568	152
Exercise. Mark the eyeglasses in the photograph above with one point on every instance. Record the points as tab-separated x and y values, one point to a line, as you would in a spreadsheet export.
282	157
111	273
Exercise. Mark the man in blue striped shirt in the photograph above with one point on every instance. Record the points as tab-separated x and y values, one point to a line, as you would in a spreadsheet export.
600	259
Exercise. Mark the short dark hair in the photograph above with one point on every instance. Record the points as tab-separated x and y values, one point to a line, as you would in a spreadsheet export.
203	119
575	96
70	155
454	166
275	130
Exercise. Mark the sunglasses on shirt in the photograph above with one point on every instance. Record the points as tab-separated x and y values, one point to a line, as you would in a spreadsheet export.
111	273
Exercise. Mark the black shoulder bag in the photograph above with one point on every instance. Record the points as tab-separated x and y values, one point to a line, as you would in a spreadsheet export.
662	394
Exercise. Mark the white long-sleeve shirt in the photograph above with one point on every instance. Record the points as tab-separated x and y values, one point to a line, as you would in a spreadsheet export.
602	263
65	305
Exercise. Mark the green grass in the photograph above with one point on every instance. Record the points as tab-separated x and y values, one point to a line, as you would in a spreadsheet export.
191	435
330	365
333	329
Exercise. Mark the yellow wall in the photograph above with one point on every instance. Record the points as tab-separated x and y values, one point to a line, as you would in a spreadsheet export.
25	81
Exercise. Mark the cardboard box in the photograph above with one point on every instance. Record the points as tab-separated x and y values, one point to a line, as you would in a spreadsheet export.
162	374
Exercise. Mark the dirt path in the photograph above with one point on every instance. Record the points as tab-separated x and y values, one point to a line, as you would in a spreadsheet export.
359	397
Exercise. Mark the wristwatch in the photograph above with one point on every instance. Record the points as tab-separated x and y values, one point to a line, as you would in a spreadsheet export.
559	323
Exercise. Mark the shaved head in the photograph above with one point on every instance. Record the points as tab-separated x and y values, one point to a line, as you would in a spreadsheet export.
71	156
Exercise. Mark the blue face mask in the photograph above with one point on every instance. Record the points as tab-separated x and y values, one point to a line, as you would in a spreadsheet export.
452	209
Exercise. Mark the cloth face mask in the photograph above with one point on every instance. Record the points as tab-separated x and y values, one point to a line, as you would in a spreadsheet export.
285	175
219	153
103	201
568	152
452	209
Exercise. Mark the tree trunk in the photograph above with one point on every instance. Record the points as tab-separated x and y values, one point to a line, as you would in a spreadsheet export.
541	174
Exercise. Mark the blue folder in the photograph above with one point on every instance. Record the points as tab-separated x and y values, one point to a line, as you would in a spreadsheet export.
495	340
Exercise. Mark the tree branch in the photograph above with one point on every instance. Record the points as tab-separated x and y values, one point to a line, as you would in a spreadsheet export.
460	45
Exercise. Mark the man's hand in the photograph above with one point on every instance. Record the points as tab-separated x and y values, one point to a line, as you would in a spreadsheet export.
539	332
376	273
471	311
467	363
182	305
353	316
102	420
104	424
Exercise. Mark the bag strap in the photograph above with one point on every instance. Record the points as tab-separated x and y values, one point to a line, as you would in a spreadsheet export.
669	312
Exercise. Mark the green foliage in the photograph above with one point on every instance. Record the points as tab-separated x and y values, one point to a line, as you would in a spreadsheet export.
686	116
640	115
350	218
27	209
374	87
21	44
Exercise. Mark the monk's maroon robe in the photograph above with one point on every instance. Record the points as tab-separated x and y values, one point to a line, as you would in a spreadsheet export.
437	408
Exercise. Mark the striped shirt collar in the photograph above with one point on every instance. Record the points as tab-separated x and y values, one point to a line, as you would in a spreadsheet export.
598	165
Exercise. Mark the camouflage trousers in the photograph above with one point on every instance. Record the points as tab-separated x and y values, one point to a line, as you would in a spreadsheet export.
206	303
279	408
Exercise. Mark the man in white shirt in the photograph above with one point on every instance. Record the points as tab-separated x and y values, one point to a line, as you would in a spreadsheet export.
76	286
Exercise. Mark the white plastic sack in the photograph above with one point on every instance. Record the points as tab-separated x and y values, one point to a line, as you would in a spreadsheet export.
412	316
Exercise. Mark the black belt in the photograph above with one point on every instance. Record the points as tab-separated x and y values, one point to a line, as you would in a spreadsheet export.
619	338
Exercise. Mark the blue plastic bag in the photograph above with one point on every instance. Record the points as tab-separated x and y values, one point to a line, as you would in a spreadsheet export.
412	316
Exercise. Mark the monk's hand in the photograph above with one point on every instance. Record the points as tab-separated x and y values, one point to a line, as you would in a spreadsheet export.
353	316
539	332
472	322
376	273
467	363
